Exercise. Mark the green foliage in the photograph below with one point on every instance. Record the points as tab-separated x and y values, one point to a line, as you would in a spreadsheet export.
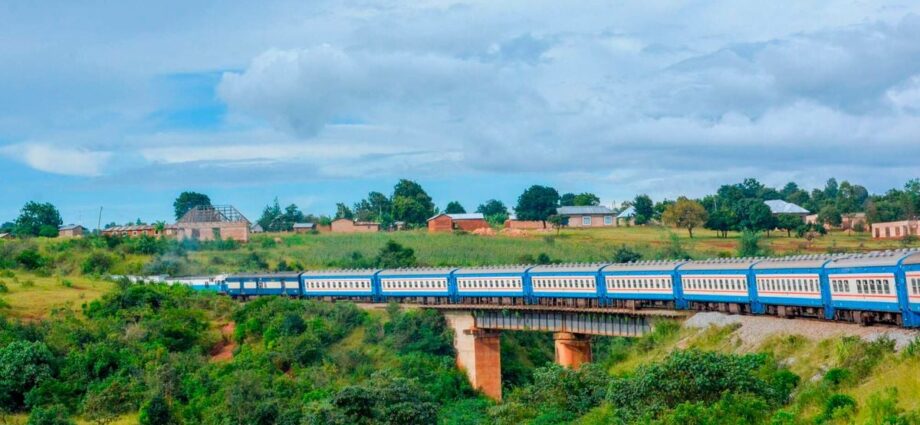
749	245
156	411
422	331
624	254
557	395
394	256
411	203
38	219
24	365
686	214
51	415
695	376
454	207
188	200
537	203
644	209
97	263
30	259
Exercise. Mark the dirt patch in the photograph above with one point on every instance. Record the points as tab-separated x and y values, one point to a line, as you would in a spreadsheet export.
484	231
223	351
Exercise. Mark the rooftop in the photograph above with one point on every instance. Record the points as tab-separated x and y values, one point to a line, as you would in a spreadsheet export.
213	214
627	213
778	206
304	225
591	209
69	227
464	216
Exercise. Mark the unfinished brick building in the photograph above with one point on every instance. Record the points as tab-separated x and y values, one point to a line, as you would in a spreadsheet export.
208	223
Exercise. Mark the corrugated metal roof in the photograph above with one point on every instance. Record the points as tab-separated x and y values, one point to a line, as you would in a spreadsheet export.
564	268
627	213
340	272
778	206
69	227
493	269
304	225
464	216
595	209
416	271
665	265
720	264
797	261
874	258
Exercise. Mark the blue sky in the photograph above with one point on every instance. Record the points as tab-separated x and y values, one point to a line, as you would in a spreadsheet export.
124	105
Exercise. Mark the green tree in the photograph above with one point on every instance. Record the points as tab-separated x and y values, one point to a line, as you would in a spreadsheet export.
494	211
685	213
411	203
188	200
50	415
537	203
454	207
721	221
271	217
830	215
558	221
342	211
586	199
567	200
644	209
789	223
24	365
749	245
156	411
38	219
394	256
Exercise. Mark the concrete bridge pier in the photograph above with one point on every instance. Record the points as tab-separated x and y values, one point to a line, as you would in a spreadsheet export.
572	350
478	353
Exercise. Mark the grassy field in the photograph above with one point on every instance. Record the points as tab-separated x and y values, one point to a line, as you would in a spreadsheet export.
33	297
355	250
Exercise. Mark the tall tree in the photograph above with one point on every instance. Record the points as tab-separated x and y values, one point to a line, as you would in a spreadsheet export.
492	207
189	200
567	200
271	217
38	219
537	203
411	203
454	207
342	211
644	207
789	222
685	213
586	199
830	215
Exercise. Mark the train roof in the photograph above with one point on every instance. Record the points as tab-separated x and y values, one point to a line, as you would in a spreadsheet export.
280	275
340	272
568	268
513	269
721	264
912	258
415	271
811	261
637	266
875	259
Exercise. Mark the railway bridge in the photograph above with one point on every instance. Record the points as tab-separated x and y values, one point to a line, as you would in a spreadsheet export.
477	334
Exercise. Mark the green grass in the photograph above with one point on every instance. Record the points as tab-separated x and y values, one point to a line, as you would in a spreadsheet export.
34	297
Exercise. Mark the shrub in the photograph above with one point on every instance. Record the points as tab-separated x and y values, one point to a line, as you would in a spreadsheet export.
3	287
624	254
97	263
394	256
51	415
749	245
30	259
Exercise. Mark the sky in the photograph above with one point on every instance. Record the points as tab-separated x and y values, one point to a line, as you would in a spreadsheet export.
123	105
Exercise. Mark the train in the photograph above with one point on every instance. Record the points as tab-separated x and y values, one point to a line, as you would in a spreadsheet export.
879	287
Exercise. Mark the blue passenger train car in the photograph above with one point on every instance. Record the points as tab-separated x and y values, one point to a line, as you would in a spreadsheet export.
249	285
356	284
643	284
492	285
416	285
720	285
566	284
793	286
199	283
867	288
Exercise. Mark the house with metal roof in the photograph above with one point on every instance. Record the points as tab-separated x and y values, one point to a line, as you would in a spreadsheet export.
450	222
304	227
588	216
779	206
71	231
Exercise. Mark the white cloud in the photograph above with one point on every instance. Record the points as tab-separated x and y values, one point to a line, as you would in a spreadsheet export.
57	159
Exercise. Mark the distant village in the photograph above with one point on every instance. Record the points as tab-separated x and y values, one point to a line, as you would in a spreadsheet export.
744	206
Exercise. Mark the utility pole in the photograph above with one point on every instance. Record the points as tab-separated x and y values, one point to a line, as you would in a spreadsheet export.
99	223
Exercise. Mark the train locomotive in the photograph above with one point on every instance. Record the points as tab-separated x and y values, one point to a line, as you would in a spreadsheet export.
875	287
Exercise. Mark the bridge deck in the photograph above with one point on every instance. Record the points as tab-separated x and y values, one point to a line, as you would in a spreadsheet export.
550	309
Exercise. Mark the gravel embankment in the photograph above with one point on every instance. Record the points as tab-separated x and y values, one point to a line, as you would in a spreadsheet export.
754	329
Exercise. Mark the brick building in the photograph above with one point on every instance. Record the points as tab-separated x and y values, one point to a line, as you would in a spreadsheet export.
345	225
213	222
304	227
71	231
895	229
450	222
